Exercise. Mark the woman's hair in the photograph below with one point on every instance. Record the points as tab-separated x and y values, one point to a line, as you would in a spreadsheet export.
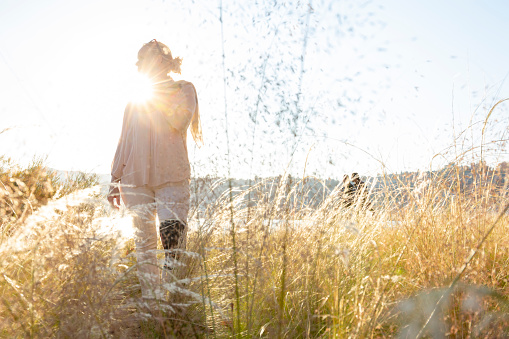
157	48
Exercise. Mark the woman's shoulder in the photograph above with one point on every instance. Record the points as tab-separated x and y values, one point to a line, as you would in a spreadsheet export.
184	83
186	87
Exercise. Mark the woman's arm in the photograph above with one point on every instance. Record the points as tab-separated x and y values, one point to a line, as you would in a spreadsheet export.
117	166
118	163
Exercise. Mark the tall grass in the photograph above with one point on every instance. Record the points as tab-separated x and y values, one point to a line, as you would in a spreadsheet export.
304	266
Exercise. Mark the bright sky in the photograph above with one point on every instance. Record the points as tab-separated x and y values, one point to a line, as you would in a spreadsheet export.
380	81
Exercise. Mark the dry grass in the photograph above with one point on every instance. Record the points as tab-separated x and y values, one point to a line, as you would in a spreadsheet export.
275	267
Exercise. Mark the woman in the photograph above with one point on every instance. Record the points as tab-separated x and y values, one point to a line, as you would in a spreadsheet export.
150	170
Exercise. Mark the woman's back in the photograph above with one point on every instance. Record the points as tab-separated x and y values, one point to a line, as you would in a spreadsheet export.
152	148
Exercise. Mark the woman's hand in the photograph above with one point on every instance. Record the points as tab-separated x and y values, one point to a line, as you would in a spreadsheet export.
114	197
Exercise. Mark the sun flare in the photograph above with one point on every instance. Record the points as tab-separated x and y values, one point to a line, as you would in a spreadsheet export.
140	88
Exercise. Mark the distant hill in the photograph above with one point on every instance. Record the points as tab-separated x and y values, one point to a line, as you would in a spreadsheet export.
396	186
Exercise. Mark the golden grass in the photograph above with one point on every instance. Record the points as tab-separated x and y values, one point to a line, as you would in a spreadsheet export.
278	267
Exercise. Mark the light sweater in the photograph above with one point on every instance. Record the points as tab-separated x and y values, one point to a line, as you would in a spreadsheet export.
152	149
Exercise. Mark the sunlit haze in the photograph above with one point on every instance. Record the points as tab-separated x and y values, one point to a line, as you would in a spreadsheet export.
326	86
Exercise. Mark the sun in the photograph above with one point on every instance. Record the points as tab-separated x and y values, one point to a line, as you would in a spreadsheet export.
140	88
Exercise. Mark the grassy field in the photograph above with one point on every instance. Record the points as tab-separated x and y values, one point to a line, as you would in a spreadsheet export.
431	267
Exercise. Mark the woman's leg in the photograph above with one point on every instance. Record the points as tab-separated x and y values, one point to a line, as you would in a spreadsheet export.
141	202
172	208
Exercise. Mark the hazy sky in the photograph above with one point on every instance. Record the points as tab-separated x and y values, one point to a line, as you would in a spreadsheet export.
335	86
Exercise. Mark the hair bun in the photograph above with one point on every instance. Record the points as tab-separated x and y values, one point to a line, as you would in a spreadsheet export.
172	64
